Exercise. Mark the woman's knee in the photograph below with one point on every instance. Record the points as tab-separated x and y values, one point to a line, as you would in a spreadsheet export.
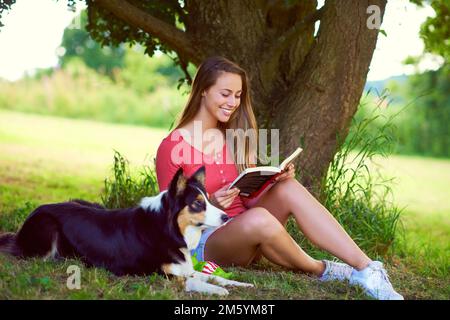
261	223
287	191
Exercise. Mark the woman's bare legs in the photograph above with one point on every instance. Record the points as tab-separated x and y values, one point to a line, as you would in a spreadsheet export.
254	231
314	220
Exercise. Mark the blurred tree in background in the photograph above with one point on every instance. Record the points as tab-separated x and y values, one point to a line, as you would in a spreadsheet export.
125	64
77	43
145	74
426	127
120	85
435	31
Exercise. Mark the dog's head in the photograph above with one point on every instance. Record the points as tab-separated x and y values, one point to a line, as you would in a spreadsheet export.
190	208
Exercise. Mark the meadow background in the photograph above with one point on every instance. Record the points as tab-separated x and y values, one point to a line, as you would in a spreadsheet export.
60	128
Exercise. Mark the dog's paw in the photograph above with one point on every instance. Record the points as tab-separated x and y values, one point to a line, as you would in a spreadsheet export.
245	284
220	291
197	285
237	284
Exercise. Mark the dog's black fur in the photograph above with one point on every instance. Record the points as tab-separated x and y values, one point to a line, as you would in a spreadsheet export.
134	241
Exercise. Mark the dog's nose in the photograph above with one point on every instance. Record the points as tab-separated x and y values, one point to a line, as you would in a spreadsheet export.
224	218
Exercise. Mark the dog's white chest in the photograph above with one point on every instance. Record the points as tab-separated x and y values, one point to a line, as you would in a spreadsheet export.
192	237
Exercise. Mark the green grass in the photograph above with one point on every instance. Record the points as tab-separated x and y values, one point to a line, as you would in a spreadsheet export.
48	159
422	187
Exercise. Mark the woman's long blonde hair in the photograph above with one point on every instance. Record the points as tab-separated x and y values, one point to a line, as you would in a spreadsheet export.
242	118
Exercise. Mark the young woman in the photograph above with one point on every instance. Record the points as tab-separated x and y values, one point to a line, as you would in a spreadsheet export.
220	100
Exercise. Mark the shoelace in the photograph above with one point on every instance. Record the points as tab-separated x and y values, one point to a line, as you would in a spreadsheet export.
379	271
383	272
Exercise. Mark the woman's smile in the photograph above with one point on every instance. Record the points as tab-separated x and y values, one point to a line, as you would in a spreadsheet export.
227	111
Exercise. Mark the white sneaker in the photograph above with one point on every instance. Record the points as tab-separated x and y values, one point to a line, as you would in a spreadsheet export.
375	282
336	271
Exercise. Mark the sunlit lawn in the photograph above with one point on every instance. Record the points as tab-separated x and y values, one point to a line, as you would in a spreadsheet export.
422	187
52	159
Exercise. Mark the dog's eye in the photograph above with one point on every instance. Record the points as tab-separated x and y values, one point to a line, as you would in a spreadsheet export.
198	205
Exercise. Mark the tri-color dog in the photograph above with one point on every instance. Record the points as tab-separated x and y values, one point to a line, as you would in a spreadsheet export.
155	236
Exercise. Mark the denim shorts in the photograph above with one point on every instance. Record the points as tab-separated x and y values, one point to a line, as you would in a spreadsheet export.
199	251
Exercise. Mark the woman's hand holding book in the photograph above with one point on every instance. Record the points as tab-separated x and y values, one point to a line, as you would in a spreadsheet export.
223	198
289	172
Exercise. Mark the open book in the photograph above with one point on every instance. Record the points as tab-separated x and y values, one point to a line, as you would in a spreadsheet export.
252	181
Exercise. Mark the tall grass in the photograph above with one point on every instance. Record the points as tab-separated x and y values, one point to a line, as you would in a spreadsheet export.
358	198
11	220
125	189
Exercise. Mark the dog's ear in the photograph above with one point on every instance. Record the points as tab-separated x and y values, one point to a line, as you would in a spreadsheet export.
199	176
178	183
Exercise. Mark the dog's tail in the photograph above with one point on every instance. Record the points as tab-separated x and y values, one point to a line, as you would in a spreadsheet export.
8	244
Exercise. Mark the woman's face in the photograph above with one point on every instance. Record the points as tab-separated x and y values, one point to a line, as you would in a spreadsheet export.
224	97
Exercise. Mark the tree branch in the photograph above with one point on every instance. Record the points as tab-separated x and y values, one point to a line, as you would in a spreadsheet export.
176	39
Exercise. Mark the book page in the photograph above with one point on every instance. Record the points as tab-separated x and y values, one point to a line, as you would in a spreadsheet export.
291	158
